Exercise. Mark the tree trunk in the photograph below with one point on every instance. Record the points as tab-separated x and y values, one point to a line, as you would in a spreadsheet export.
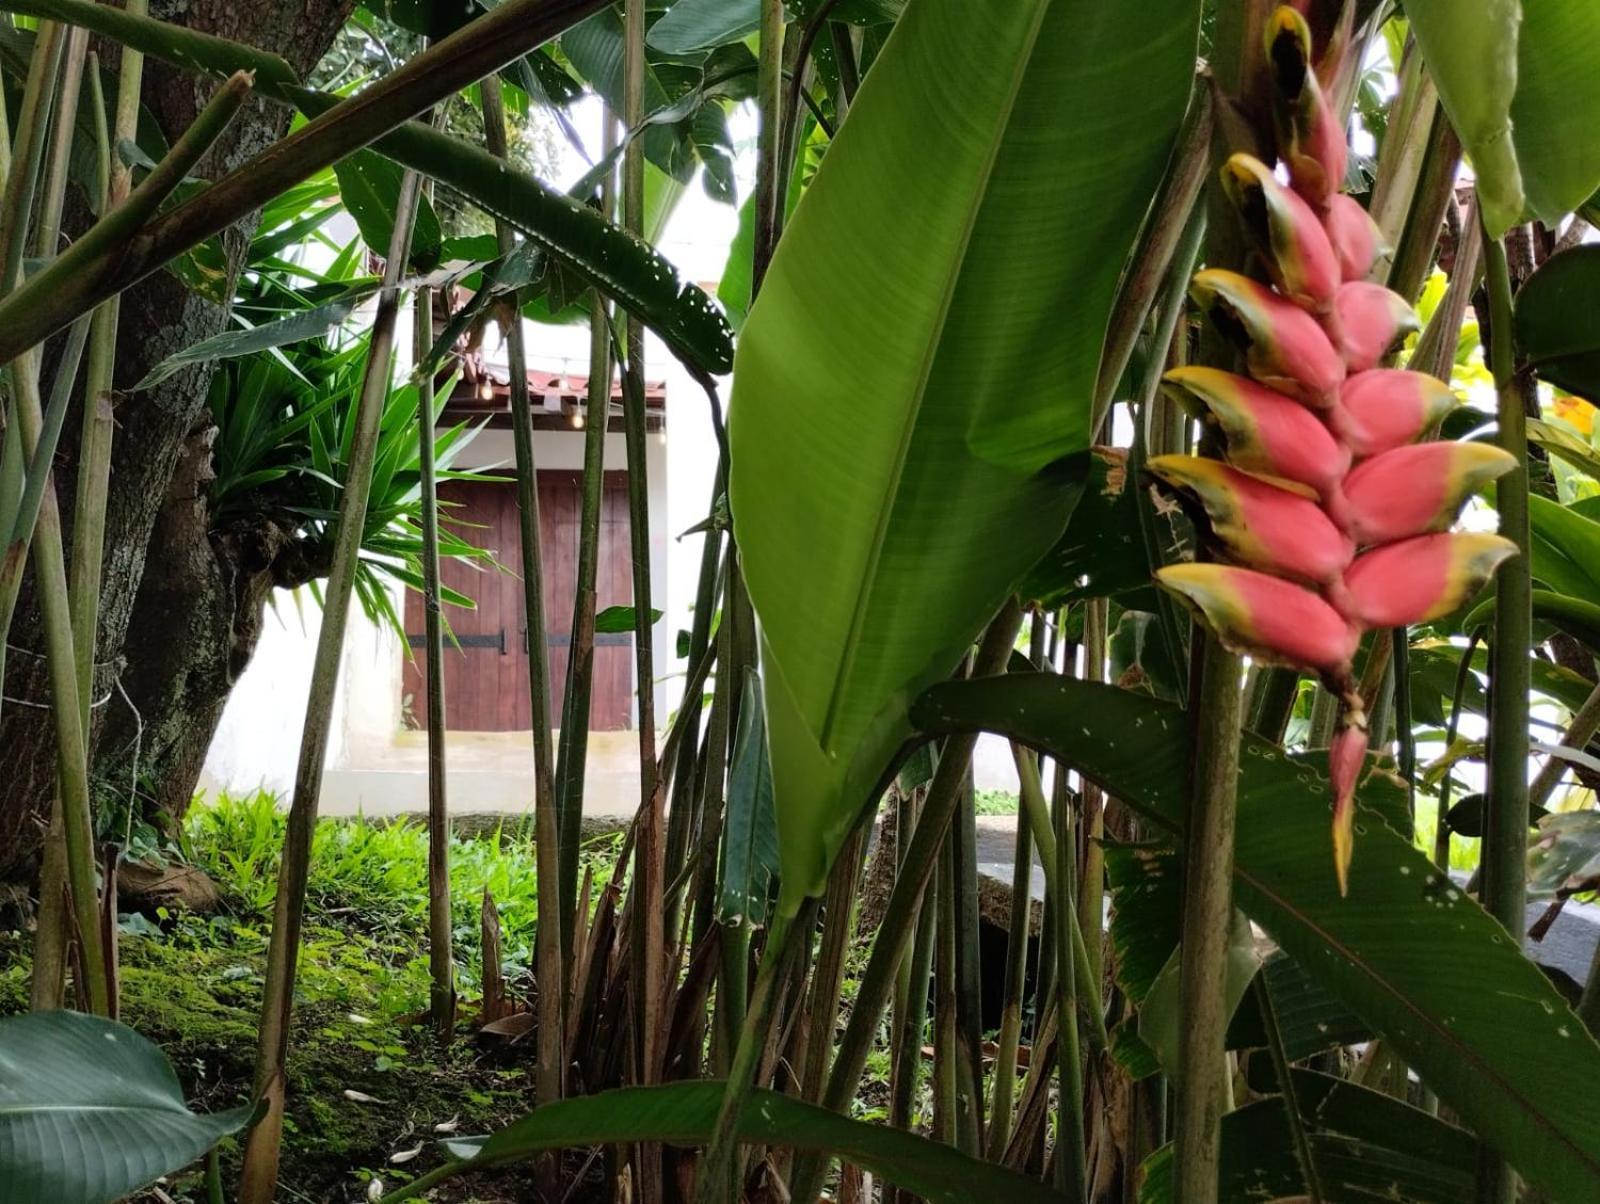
158	595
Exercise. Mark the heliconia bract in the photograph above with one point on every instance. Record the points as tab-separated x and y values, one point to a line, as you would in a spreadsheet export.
1334	522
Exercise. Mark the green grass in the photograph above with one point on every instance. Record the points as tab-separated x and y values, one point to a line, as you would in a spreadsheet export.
193	983
374	874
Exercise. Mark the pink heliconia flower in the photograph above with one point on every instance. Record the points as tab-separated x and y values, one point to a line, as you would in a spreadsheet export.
1319	438
1413	490
1385	408
1285	347
1311	139
1298	253
1265	526
1356	240
1419	579
1266	432
1372	322
1266	617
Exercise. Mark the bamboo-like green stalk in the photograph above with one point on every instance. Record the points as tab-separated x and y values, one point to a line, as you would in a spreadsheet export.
1215	712
1057	856
573	754
827	980
1400	160
47	990
946	1125
648	971
548	953
1441	835
259	1176
1505	829
441	956
1433	191
968	976
126	245
1208	909
897	927
1091	887
1014	977
38	518
910	1018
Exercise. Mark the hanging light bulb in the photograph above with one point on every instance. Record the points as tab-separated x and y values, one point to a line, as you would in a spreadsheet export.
577	418
485	388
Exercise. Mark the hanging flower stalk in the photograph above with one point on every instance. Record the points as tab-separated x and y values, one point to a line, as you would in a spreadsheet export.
1332	518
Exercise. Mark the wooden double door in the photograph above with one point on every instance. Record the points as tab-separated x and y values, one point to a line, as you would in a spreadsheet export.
486	675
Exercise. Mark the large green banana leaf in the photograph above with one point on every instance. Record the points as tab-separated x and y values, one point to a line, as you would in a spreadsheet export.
90	1111
1521	83
1407	951
911	393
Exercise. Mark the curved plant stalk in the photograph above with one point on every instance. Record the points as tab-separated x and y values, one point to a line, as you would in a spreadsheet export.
548	953
441	956
1505	830
259	1174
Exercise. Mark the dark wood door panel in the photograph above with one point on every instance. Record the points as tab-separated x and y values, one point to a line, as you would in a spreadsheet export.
486	677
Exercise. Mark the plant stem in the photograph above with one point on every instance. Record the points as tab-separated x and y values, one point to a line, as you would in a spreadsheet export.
1505	832
441	958
1441	835
1166	230
898	924
1579	732
770	173
116	252
1208	907
573	754
717	1181
548	950
1014	979
1056	855
259	1176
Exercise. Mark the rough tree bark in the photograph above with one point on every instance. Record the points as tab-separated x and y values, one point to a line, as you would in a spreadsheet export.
180	605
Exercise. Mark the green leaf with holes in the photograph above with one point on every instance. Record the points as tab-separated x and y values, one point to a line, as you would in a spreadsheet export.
1407	951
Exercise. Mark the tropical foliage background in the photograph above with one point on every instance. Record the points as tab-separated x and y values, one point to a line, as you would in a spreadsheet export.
959	280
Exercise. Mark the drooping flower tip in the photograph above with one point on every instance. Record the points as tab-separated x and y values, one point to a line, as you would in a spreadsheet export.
1285	347
1346	758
